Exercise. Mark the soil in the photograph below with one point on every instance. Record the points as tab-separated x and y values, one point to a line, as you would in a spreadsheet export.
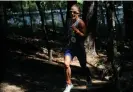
34	73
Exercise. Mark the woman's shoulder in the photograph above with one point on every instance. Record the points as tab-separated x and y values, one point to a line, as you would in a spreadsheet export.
81	22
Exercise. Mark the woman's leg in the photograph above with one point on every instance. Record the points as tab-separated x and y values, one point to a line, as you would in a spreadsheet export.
67	60
81	55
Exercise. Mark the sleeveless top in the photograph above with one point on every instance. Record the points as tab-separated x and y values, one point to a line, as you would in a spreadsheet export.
74	38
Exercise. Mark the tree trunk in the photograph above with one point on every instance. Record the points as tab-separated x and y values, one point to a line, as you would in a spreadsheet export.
23	13
44	30
5	13
53	24
50	54
90	18
111	24
62	18
69	4
30	14
120	32
128	18
111	44
3	46
102	14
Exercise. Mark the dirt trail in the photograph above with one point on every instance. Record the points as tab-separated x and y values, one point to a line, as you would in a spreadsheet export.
34	74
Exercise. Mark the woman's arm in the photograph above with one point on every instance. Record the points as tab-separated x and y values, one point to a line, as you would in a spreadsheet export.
81	30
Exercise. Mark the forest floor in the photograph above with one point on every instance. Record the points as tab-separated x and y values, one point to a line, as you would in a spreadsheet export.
32	72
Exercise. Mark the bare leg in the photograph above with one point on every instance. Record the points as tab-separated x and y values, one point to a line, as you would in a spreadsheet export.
67	61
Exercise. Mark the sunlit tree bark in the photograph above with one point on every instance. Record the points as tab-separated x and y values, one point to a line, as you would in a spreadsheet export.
112	42
90	18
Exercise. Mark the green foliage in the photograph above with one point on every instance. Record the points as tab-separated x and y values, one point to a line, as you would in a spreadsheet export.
47	5
30	4
80	5
15	6
53	4
80	1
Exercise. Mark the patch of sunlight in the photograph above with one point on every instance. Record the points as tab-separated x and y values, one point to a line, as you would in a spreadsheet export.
81	79
98	81
93	80
80	87
6	87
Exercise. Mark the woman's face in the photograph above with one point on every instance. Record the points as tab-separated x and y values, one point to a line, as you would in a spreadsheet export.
74	12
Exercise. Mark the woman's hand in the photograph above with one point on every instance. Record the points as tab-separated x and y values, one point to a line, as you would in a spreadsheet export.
81	30
74	29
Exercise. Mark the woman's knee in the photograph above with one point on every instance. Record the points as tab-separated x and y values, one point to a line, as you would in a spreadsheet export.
67	60
66	65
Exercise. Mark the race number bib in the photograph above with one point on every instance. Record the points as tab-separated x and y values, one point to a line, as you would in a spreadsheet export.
73	39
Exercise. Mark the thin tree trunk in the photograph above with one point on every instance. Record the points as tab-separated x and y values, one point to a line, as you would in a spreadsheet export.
111	44
53	24
62	18
23	13
50	51
120	32
102	14
42	20
128	18
5	14
44	30
3	46
111	23
50	54
30	15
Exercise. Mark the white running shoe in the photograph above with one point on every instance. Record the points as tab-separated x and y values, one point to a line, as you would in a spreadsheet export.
68	87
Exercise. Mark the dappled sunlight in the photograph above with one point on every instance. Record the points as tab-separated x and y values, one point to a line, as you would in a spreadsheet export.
36	36
6	87
30	67
35	73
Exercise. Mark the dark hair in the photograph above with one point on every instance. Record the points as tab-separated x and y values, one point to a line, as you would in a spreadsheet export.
77	5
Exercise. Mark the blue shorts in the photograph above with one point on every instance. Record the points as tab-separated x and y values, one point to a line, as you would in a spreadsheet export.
70	53
79	52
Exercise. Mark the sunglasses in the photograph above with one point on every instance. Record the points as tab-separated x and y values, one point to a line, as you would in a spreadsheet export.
75	12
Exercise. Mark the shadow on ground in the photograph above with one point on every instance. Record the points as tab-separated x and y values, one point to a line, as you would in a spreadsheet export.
34	75
29	74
